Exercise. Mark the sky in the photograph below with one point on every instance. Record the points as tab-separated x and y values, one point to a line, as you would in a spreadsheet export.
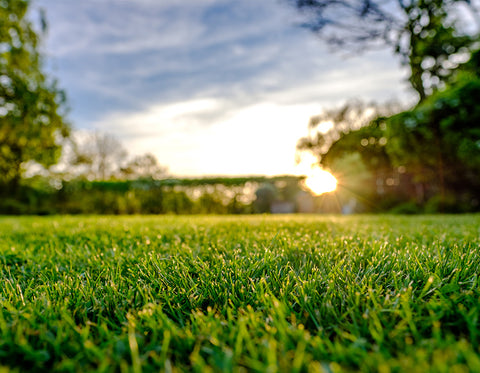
210	87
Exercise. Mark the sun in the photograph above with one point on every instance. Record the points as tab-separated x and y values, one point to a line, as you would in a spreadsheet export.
320	181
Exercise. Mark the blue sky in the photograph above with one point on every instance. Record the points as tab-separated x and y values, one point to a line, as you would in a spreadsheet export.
211	87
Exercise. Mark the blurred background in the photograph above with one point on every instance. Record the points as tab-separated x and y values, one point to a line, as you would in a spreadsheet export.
212	106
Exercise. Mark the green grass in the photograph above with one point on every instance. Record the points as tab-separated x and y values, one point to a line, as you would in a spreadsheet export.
257	293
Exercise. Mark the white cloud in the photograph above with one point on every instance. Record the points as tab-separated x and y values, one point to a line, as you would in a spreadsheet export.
256	139
159	120
209	86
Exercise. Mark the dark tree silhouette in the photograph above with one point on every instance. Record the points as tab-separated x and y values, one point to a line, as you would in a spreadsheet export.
432	37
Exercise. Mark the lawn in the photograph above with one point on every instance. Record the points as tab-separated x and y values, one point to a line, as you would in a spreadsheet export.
249	293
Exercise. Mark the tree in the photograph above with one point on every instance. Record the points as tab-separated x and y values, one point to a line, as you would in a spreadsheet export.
349	129
143	166
426	34
32	108
351	116
99	156
429	153
429	38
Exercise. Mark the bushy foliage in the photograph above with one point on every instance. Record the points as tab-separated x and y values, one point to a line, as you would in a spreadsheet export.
439	141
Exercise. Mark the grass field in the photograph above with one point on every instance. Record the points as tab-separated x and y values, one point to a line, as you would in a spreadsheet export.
256	293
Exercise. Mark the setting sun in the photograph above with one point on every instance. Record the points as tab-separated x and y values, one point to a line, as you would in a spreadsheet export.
320	181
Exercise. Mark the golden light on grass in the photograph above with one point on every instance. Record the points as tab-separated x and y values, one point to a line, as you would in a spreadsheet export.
320	181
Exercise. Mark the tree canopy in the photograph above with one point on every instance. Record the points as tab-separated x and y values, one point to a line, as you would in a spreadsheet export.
32	108
431	152
432	37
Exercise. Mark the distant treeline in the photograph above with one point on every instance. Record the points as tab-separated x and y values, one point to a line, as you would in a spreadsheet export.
235	195
215	195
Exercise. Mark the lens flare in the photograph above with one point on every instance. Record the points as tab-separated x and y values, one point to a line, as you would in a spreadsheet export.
320	181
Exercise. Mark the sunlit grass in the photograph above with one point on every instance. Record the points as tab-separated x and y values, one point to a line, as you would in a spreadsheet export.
258	293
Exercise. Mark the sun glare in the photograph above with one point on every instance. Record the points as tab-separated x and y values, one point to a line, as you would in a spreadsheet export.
320	181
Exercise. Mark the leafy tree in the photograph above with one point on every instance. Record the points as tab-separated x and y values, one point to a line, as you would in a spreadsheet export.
428	35
428	143
31	105
430	154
